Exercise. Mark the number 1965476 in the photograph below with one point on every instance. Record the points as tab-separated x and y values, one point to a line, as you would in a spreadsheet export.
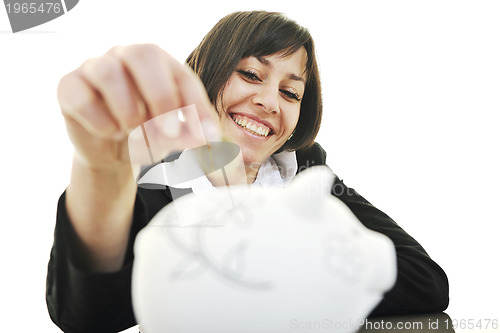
32	7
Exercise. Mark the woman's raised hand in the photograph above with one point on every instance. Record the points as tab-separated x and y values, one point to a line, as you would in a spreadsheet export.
135	87
107	97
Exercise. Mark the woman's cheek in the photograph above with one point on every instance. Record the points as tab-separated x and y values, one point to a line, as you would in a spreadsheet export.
293	119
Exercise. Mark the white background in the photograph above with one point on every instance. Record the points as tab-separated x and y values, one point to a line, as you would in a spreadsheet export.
411	104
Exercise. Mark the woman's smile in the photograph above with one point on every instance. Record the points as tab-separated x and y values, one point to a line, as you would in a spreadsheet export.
252	125
261	103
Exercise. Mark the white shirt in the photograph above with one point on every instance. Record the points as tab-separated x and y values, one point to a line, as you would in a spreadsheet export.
277	170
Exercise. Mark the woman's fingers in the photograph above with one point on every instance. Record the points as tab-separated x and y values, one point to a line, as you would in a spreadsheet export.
152	77
180	115
174	130
143	90
164	85
192	91
109	77
81	102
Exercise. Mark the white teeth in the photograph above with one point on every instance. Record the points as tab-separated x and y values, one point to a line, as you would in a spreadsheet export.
252	127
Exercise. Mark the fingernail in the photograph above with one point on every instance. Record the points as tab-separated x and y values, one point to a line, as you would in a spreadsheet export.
171	125
210	130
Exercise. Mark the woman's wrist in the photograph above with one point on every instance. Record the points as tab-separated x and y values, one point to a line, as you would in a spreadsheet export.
100	204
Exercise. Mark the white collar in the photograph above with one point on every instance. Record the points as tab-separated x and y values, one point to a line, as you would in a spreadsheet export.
277	170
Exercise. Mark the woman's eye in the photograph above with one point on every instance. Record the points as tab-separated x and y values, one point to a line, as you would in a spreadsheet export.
249	75
291	94
253	77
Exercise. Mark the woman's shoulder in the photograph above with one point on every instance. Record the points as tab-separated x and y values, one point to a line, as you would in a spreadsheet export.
315	155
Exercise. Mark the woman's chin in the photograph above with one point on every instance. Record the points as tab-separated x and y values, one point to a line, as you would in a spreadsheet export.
254	152
251	158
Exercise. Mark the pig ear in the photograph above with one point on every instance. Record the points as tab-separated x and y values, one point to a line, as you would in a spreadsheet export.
309	188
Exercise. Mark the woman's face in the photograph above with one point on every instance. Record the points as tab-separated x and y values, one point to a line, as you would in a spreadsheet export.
261	103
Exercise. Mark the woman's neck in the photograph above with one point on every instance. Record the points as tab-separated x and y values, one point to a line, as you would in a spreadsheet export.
251	172
235	173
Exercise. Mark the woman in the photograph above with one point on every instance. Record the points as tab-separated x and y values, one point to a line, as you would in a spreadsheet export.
252	68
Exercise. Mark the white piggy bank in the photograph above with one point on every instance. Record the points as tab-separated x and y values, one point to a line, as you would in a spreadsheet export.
260	260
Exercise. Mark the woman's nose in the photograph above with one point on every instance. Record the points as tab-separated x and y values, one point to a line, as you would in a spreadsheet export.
267	97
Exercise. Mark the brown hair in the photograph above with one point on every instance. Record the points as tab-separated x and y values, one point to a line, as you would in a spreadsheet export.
259	33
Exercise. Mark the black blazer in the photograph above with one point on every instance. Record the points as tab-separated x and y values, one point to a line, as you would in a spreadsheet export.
82	301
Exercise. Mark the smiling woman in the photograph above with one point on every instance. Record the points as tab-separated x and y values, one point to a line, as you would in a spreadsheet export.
255	81
261	98
259	39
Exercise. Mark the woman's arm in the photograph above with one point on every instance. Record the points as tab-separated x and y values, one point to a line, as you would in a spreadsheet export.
100	204
102	101
421	286
80	300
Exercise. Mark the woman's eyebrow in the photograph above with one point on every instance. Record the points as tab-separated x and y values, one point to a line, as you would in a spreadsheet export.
295	77
264	61
291	76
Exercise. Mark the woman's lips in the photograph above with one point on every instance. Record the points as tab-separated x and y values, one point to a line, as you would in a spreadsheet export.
251	125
